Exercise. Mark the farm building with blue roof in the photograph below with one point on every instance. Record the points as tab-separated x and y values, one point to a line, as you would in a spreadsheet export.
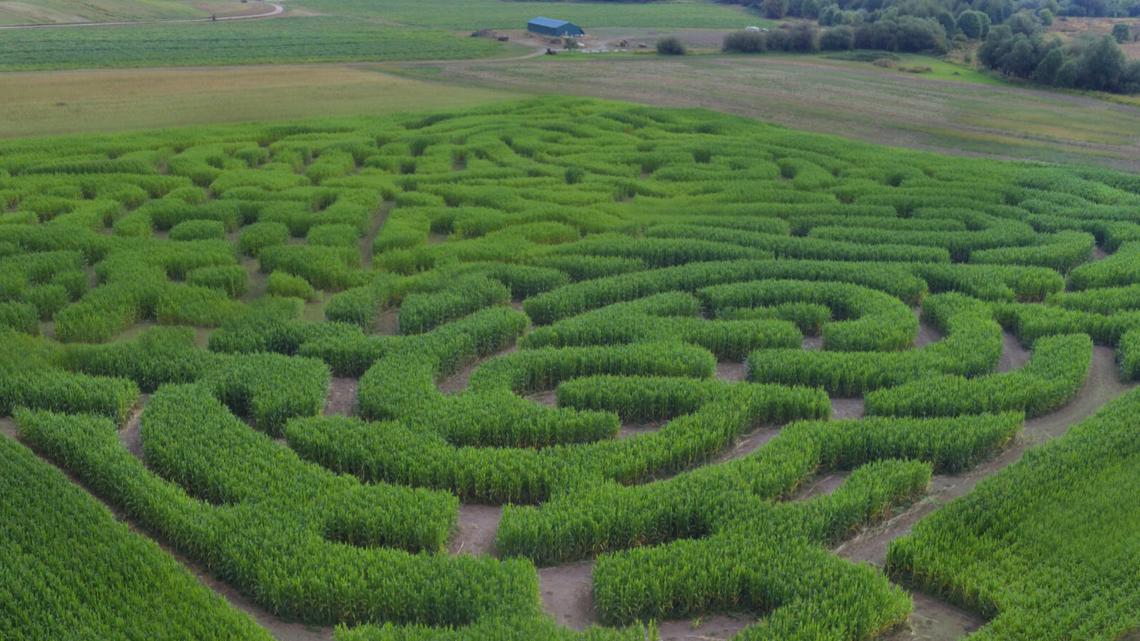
552	27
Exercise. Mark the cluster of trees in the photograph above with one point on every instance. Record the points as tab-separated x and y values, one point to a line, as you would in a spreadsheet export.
905	33
1097	64
802	38
997	10
1016	46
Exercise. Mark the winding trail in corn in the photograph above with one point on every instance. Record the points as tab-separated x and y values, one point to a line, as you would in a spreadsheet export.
559	369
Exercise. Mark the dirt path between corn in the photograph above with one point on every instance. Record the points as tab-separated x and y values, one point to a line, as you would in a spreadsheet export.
341	397
567	589
369	241
1101	386
275	11
1013	354
457	382
131	434
478	525
279	629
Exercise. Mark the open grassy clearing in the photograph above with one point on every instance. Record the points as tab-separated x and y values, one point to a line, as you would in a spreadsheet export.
65	11
672	360
98	101
280	40
328	31
939	69
1070	28
841	97
469	15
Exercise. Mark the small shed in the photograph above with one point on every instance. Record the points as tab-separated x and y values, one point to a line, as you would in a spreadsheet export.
556	28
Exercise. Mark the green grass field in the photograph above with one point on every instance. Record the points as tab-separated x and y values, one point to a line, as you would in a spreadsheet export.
111	100
469	15
908	63
282	40
49	11
328	31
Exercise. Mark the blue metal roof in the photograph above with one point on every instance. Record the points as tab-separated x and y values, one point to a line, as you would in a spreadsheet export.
548	22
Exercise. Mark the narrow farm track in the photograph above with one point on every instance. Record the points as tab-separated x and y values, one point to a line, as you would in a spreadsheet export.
927	333
568	593
273	12
258	281
819	485
749	443
476	531
457	382
131	434
341	398
731	371
1013	353
935	620
369	240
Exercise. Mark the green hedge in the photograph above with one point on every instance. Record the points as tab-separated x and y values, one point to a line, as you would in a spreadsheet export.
1050	379
118	583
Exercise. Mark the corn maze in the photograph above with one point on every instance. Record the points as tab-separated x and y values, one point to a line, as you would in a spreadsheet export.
300	356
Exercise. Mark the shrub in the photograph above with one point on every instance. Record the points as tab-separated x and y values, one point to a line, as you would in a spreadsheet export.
232	279
198	230
671	46
253	238
288	285
745	42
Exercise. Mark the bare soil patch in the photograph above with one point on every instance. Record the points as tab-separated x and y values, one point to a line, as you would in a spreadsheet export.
819	485
131	434
935	620
568	593
708	628
369	240
388	322
548	397
457	382
749	443
927	333
1013	354
846	408
476	531
341	398
8	427
735	372
258	281
637	429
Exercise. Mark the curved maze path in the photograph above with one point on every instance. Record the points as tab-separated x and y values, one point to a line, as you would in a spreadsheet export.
583	363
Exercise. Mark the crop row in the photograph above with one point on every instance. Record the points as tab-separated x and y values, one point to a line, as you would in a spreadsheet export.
1048	381
276	527
70	567
997	551
607	516
971	347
